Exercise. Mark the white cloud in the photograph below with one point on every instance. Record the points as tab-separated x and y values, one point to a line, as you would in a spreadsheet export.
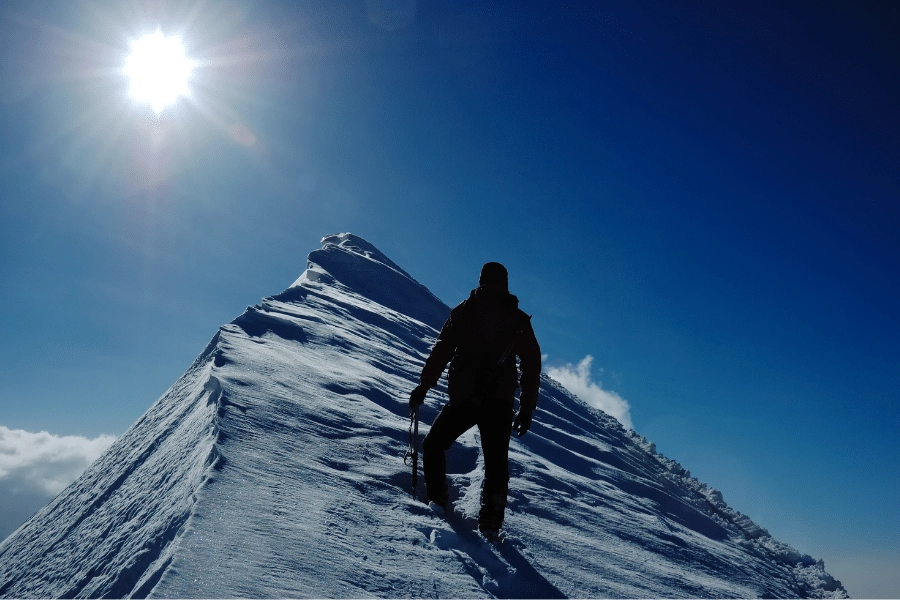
35	467
45	461
577	379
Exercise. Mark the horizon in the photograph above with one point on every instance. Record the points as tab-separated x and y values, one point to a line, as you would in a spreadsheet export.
698	204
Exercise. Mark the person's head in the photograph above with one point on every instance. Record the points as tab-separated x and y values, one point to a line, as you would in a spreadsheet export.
494	275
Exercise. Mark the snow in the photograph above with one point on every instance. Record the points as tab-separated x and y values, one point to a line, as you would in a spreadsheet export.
273	468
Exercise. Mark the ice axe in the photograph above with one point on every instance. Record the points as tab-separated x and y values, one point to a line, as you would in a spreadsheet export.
413	450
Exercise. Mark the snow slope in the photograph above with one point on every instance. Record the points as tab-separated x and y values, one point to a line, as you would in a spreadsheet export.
273	467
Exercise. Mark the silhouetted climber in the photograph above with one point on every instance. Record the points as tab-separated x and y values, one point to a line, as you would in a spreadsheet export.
481	340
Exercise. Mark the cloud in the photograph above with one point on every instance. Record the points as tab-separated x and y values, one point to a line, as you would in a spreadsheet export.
577	379
35	467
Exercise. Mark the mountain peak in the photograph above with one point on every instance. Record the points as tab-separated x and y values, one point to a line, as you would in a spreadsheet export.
273	468
350	261
353	243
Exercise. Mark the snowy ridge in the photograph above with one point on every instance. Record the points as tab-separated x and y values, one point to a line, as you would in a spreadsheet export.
112	532
812	580
364	269
273	468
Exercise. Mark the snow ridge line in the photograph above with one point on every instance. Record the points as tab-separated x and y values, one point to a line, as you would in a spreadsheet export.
362	268
167	544
710	498
810	576
356	245
117	545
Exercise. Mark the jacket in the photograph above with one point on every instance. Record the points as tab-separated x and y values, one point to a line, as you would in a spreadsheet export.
473	340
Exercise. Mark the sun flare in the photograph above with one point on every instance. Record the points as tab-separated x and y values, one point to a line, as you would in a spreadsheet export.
158	69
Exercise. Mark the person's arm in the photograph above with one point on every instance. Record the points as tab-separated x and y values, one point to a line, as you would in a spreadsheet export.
529	353
441	353
437	361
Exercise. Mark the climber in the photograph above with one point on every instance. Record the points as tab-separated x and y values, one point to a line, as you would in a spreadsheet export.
481	340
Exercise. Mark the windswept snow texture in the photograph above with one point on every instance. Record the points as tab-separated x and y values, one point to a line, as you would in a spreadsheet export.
273	468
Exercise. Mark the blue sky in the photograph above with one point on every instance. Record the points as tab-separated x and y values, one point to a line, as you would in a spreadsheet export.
704	198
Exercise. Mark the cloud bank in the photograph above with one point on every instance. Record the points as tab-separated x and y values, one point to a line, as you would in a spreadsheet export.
35	467
577	379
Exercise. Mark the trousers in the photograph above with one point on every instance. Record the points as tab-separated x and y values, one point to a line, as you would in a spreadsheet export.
494	423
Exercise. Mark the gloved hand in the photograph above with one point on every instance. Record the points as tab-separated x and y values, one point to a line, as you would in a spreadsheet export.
417	396
522	422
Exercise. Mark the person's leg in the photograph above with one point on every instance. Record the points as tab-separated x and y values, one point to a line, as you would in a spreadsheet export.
451	423
495	426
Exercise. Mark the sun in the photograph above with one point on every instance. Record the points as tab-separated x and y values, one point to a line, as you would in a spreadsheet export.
158	69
